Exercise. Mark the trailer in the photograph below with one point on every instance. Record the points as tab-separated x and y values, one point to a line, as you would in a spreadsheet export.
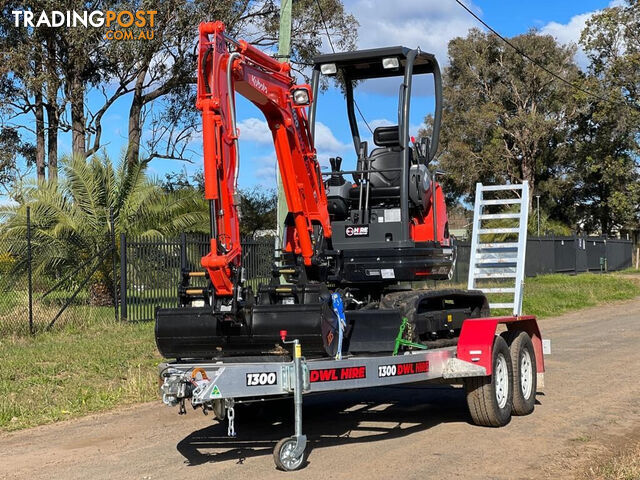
501	372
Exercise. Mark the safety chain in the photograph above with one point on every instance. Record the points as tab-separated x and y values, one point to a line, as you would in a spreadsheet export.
231	414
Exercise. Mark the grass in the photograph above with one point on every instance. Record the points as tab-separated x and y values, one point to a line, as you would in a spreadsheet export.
552	295
623	466
630	271
97	365
74	371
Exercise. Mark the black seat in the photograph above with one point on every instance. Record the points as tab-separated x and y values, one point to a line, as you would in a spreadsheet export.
388	155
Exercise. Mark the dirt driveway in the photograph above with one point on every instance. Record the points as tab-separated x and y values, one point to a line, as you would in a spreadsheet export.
590	406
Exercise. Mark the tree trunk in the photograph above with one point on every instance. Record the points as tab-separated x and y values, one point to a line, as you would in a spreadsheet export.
40	146
52	137
77	91
135	116
53	113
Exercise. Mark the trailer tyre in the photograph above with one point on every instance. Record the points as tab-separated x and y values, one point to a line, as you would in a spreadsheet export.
283	455
490	398
523	361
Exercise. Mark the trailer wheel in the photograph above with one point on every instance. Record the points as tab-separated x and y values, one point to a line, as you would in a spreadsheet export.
490	398
283	455
523	361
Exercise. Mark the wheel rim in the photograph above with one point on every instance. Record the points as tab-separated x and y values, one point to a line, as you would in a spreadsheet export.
526	374
501	375
286	456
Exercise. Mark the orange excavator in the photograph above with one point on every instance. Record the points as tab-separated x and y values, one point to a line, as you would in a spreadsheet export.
355	242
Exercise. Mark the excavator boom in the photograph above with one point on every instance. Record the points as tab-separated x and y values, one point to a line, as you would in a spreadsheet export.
227	66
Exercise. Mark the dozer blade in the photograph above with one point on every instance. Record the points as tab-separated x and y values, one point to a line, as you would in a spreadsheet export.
198	332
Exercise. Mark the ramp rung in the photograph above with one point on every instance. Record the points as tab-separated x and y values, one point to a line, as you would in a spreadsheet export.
497	245
501	305
499	290
499	216
495	188
501	201
490	260
496	275
495	269
486	231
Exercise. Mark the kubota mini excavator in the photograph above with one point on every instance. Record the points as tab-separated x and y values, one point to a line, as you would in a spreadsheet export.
353	242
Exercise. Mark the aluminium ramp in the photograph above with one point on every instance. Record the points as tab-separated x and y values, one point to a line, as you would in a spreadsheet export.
499	242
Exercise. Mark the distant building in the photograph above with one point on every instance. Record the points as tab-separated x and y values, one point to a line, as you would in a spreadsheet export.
459	222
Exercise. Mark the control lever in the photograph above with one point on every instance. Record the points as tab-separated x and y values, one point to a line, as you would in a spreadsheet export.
421	149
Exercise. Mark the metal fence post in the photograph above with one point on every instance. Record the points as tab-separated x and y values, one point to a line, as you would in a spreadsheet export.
29	270
123	277
113	264
183	253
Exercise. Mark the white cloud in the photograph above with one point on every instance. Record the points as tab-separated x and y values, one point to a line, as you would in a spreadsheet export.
411	23
326	141
255	130
265	169
569	33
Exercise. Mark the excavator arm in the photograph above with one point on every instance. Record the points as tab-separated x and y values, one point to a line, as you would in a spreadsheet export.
226	66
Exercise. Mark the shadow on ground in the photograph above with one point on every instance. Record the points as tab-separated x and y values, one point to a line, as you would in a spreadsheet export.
329	419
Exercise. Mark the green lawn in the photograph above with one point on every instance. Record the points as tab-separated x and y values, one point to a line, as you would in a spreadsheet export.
98	365
74	371
551	295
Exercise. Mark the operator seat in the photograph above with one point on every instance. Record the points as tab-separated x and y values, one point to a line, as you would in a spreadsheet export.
385	186
387	155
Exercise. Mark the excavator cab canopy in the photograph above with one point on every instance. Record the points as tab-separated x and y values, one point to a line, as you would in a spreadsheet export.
351	67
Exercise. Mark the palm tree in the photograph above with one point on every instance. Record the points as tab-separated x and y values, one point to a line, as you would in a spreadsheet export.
70	220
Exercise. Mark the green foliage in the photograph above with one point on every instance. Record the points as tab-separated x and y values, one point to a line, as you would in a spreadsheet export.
70	220
257	204
505	119
607	169
258	210
11	147
548	226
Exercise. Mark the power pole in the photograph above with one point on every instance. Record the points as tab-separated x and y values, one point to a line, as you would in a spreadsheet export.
284	52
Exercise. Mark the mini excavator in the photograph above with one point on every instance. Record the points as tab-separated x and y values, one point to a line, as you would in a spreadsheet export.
354	242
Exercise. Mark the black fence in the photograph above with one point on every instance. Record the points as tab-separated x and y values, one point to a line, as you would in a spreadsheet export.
150	269
561	255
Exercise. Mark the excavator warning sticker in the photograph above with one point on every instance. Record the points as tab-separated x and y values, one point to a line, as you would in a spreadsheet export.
337	374
398	369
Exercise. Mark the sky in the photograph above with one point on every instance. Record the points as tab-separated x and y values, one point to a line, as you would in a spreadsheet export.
429	24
